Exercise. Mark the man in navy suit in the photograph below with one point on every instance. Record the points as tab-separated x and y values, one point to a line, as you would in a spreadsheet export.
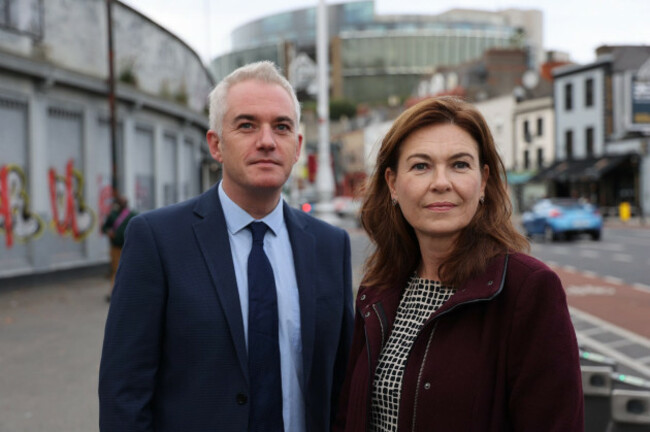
175	354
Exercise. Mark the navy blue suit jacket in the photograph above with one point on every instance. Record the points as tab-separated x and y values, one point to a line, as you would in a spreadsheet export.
174	355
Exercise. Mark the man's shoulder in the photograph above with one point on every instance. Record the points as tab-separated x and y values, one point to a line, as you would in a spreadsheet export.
313	224
170	213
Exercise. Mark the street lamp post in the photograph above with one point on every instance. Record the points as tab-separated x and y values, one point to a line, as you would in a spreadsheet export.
324	175
111	97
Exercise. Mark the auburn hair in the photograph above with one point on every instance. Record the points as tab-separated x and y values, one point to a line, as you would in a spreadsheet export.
489	233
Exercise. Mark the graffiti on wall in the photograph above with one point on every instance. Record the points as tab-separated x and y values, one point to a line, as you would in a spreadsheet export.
17	222
70	214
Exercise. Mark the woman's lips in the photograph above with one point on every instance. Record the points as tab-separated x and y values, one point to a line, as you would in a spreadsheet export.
441	207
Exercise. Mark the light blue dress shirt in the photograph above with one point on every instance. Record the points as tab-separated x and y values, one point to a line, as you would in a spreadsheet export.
278	249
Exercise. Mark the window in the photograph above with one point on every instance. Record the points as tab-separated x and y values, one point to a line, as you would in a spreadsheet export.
540	126
527	136
568	97
589	134
540	158
568	144
526	160
589	92
22	16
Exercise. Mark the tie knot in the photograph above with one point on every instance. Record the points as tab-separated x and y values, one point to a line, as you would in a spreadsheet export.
258	229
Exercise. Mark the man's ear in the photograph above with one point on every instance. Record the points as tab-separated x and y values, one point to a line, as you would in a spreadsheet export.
214	144
298	148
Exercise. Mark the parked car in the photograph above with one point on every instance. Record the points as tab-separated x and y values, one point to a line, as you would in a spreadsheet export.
562	218
346	206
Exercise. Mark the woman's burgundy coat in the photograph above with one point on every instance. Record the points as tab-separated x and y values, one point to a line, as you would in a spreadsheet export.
500	355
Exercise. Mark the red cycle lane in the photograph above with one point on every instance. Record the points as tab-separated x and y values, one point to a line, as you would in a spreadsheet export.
620	304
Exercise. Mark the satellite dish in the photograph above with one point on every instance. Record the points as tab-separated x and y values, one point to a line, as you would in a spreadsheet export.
530	79
437	83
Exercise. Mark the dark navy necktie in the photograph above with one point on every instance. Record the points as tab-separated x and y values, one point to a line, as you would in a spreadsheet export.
263	347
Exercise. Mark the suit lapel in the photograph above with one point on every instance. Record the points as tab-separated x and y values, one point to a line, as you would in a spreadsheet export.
304	257
212	236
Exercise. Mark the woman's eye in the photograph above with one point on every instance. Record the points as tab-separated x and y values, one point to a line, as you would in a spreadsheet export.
461	164
419	166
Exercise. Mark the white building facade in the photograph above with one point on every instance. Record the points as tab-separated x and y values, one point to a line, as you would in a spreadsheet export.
602	113
55	145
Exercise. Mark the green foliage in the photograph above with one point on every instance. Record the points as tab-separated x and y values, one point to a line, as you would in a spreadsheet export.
127	75
342	107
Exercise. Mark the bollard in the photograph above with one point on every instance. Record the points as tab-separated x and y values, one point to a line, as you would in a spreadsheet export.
630	405
624	211
597	388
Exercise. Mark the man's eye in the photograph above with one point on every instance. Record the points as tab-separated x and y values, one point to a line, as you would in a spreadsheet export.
283	127
246	125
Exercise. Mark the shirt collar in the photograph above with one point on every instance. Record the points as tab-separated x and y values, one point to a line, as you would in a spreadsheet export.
237	218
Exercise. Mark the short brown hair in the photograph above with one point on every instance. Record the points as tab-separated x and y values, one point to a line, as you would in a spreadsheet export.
489	233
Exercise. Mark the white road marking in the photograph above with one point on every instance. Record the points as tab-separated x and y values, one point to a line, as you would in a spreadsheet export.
644	360
611	247
622	257
641	287
593	331
585	290
613	280
603	349
619	343
589	254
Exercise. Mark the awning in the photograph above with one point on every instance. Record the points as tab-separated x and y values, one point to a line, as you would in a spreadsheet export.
577	170
517	178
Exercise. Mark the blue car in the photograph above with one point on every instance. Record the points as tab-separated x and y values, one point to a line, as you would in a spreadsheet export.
562	219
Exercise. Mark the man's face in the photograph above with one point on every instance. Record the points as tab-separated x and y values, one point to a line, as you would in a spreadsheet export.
260	140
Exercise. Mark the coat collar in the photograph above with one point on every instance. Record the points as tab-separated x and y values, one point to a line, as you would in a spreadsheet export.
483	287
212	236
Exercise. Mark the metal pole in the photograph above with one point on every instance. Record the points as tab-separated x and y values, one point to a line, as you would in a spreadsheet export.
111	97
324	174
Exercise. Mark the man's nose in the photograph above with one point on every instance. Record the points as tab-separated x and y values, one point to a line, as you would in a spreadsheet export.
266	137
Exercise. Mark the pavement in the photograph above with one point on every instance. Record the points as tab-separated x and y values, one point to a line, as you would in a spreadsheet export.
51	331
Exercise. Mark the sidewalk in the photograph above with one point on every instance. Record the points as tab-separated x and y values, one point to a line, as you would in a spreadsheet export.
50	345
634	222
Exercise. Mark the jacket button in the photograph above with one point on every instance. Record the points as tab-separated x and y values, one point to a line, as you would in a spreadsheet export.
241	399
427	386
363	297
490	283
367	314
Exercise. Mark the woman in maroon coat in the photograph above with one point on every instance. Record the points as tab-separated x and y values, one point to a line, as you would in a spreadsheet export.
456	328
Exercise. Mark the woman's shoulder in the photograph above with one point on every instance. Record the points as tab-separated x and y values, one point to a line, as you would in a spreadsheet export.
523	267
525	262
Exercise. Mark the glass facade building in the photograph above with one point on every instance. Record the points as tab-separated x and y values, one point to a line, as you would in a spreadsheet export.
374	57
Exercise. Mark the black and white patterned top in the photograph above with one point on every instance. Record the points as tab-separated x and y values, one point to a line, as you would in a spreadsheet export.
421	298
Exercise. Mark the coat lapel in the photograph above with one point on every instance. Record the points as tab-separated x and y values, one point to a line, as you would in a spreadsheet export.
304	257
212	236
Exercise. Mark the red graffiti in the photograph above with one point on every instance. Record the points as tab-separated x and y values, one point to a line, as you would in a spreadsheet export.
69	222
5	206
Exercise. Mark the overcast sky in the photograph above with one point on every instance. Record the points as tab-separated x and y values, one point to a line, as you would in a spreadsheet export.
573	26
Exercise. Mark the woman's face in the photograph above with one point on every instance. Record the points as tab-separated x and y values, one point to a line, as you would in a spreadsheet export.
438	181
